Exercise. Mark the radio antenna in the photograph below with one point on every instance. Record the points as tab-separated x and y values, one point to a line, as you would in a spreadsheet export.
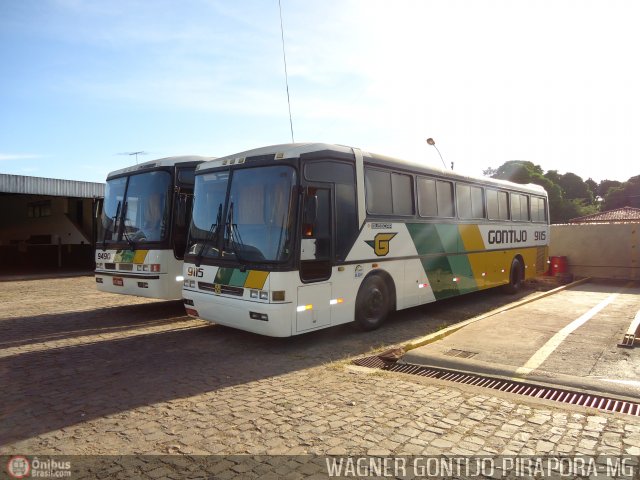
141	152
286	76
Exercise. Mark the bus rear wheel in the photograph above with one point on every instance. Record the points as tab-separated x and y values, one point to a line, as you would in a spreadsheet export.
516	277
372	303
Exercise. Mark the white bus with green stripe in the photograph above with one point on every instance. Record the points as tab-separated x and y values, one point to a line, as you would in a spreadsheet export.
293	238
142	229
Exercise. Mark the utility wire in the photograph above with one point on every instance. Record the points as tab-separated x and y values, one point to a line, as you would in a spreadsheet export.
286	75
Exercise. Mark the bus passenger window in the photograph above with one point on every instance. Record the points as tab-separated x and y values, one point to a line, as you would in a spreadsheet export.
515	207
503	206
427	199
378	190
445	199
524	208
519	207
463	195
402	193
538	210
492	205
477	202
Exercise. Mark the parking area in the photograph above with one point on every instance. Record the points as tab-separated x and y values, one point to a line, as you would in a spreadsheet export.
85	372
570	338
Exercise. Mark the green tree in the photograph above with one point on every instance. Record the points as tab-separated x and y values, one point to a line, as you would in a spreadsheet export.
518	171
554	176
592	186
489	171
605	185
626	195
574	188
561	208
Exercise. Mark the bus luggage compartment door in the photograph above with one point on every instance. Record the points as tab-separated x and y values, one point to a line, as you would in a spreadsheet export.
313	310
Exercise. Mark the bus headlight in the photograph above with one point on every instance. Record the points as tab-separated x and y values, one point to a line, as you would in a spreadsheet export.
264	295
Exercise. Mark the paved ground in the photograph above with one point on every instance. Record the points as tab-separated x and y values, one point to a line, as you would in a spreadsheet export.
87	372
569	338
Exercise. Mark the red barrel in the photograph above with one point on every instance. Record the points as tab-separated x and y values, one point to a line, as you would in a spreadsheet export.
558	265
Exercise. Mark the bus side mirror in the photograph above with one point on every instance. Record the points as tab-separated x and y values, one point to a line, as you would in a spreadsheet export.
310	209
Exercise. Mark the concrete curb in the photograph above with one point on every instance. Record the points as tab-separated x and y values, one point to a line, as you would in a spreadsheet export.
439	335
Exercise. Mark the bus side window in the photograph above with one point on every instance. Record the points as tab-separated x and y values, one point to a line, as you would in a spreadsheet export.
445	199
427	199
503	205
515	207
492	204
463	199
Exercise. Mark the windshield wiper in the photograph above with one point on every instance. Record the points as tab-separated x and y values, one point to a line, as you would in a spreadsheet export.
213	232
132	245
233	235
113	221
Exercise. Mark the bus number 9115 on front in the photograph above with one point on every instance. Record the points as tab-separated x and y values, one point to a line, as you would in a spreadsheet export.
195	272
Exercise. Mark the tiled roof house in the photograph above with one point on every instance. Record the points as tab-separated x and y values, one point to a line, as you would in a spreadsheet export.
618	215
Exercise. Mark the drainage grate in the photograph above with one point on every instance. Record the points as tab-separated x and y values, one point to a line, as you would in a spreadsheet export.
460	353
519	388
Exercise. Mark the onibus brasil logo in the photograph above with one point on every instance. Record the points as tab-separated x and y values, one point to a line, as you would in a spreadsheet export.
19	466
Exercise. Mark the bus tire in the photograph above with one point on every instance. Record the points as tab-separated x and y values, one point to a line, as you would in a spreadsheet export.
372	303
516	277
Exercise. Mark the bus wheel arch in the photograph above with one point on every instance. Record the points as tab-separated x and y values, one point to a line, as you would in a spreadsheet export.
376	298
516	275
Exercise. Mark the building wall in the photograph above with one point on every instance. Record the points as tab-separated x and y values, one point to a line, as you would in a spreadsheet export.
63	237
599	250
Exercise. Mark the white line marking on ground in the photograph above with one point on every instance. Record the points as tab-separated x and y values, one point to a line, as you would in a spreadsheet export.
554	342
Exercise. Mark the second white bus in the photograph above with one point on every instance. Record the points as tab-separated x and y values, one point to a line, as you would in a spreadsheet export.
142	231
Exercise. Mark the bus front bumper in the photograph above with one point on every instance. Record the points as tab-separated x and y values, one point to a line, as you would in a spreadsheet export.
272	319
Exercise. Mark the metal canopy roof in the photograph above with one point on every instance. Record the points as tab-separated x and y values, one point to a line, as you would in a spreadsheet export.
49	186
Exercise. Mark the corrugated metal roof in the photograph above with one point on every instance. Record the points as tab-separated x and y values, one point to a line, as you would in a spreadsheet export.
49	186
619	215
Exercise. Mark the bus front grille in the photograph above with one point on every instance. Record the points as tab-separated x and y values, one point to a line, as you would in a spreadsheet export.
221	289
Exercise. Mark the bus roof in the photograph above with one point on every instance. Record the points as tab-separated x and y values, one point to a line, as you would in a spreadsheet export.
294	150
161	162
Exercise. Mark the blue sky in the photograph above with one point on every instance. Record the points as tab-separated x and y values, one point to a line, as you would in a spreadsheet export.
554	82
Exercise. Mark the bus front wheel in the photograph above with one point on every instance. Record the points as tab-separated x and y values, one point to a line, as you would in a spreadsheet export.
372	303
516	277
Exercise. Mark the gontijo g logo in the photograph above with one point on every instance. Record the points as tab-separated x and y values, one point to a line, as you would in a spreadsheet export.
380	243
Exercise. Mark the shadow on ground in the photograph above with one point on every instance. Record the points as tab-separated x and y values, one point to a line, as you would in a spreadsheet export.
55	388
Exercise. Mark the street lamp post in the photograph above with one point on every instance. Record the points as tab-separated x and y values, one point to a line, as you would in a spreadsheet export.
432	142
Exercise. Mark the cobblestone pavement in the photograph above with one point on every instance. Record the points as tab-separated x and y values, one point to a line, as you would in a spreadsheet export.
84	372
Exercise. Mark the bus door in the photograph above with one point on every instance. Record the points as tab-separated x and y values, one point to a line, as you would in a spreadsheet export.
316	247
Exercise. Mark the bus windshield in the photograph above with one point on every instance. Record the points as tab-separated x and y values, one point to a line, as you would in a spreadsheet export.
141	202
257	223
